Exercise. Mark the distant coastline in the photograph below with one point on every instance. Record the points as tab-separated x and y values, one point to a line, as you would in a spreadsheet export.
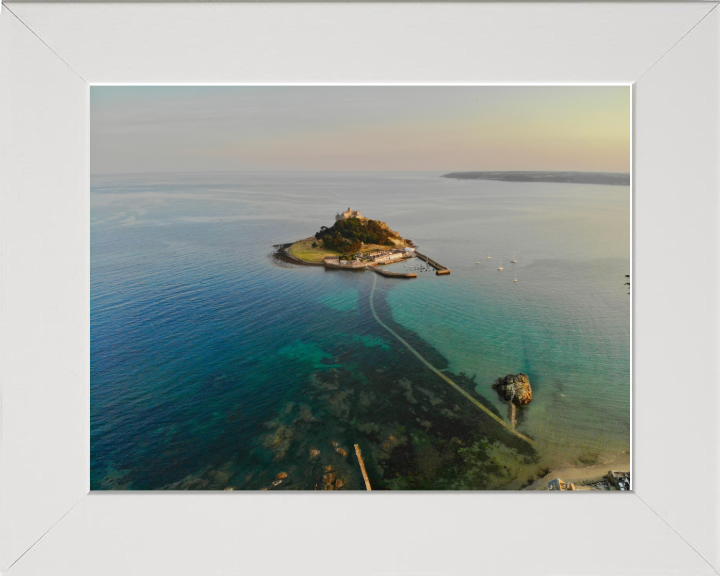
607	178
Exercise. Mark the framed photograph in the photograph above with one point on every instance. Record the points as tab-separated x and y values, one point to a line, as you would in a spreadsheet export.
165	331
418	327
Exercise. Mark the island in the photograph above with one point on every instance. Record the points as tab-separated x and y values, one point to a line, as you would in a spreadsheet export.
355	243
607	178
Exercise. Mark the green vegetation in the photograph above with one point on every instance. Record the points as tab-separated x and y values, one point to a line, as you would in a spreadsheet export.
345	239
348	236
484	465
304	250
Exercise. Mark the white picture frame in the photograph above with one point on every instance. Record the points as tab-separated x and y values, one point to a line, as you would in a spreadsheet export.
50	53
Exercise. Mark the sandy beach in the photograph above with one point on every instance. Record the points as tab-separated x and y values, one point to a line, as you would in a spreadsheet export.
584	474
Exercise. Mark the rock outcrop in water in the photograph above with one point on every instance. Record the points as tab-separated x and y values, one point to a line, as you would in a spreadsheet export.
514	388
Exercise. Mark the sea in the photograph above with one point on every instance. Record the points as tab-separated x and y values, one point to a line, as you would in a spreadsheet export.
217	364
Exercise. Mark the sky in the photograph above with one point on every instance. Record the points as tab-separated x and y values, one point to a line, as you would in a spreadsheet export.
139	129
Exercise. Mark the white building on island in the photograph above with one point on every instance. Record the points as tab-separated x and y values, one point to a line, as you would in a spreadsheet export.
335	261
350	213
388	257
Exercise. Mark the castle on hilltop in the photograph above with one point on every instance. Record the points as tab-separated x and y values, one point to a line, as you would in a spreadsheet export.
349	214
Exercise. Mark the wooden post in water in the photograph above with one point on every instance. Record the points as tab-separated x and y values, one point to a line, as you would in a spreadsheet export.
362	467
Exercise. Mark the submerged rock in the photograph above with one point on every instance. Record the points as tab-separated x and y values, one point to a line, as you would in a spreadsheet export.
331	481
314	453
281	475
341	452
280	441
514	388
328	481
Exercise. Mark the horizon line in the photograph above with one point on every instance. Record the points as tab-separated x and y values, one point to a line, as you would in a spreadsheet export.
345	171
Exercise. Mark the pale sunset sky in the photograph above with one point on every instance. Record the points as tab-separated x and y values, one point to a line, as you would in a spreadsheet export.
359	128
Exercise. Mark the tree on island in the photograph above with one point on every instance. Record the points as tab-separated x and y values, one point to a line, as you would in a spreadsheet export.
348	236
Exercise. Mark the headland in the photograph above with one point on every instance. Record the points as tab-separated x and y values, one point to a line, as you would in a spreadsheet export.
607	178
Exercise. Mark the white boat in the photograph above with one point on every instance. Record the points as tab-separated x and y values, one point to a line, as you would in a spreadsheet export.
513	261
501	266
489	257
515	278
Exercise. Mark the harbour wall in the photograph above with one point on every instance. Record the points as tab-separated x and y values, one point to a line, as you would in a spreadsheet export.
440	269
393	274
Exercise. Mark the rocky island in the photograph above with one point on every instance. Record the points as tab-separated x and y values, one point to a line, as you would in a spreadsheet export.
514	388
354	242
352	237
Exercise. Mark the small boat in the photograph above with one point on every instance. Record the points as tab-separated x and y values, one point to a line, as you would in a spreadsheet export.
513	261
501	266
489	257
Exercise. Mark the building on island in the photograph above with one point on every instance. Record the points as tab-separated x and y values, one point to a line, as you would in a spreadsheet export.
350	213
388	257
335	261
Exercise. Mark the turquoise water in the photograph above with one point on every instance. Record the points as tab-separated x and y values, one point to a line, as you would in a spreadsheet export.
215	365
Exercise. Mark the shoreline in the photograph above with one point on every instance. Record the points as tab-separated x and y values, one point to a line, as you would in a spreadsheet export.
283	252
581	475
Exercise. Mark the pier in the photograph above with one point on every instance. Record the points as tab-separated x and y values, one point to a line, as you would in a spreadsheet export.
392	274
439	268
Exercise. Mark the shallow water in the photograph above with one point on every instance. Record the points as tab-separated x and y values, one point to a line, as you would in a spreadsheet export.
215	365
